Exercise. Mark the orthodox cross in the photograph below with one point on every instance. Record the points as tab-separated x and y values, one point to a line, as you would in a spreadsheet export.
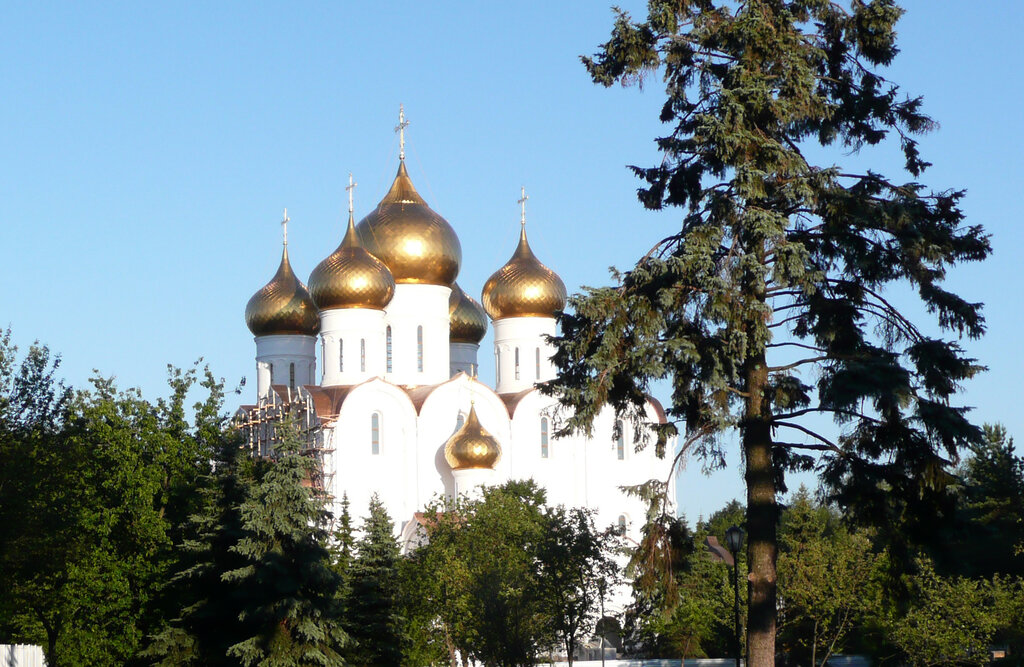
284	226
350	188
522	206
400	128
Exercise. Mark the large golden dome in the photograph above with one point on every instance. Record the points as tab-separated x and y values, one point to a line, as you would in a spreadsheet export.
351	277
417	244
466	318
523	287
282	306
472	446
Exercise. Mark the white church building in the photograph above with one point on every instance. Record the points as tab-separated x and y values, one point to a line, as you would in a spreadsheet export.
383	348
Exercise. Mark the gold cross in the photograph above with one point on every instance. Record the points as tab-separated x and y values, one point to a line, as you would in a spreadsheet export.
400	128
522	206
351	188
284	226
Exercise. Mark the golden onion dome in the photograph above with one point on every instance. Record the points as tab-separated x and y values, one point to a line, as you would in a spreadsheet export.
351	277
467	322
523	287
282	306
472	446
417	244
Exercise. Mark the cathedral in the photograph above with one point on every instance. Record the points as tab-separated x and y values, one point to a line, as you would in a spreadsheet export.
397	405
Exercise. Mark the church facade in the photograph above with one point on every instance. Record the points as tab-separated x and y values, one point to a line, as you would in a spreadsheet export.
383	348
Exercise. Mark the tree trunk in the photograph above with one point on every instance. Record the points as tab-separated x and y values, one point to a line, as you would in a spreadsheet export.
762	518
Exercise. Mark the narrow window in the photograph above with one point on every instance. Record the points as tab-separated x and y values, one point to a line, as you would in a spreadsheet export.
620	442
543	437
517	363
419	348
387	344
459	421
341	356
291	376
497	364
537	361
362	355
375	434
271	372
622	524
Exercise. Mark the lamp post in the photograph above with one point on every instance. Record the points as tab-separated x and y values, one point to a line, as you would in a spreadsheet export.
734	541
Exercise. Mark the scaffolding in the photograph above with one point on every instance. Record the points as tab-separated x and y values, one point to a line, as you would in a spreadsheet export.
260	423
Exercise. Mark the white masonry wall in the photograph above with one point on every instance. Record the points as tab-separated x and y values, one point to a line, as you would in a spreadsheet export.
414	309
522	354
352	345
276	356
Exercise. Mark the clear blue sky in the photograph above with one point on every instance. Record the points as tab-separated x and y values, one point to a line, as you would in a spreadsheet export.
147	150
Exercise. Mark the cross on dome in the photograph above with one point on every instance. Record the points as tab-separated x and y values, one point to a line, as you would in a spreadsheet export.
284	226
350	189
400	128
522	206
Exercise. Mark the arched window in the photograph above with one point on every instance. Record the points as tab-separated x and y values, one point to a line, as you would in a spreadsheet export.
537	362
271	372
341	356
291	376
362	355
621	527
387	344
419	348
375	433
620	441
544	437
497	365
517	363
459	421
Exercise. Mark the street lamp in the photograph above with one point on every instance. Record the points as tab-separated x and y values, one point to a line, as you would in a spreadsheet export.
734	541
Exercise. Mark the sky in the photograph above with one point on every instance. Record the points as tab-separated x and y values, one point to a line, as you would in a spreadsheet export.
147	151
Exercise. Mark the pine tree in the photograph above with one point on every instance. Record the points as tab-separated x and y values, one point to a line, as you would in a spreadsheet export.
371	610
773	301
289	607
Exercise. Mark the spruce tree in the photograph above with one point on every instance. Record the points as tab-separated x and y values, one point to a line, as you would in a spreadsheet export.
287	587
208	623
371	616
773	301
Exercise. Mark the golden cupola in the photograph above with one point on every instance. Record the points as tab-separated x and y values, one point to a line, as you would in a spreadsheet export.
283	306
472	446
417	244
466	317
351	277
523	287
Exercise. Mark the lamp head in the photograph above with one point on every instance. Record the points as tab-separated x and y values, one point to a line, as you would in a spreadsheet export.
734	538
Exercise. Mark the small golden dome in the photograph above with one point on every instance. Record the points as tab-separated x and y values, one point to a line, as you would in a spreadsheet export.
472	446
351	277
417	244
523	287
466	318
282	306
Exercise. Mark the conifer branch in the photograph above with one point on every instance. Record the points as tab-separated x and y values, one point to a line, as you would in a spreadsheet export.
831	445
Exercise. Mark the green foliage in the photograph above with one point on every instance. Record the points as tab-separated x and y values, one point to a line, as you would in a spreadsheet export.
829	580
772	302
371	617
290	613
507	577
93	486
988	535
692	617
954	619
577	571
